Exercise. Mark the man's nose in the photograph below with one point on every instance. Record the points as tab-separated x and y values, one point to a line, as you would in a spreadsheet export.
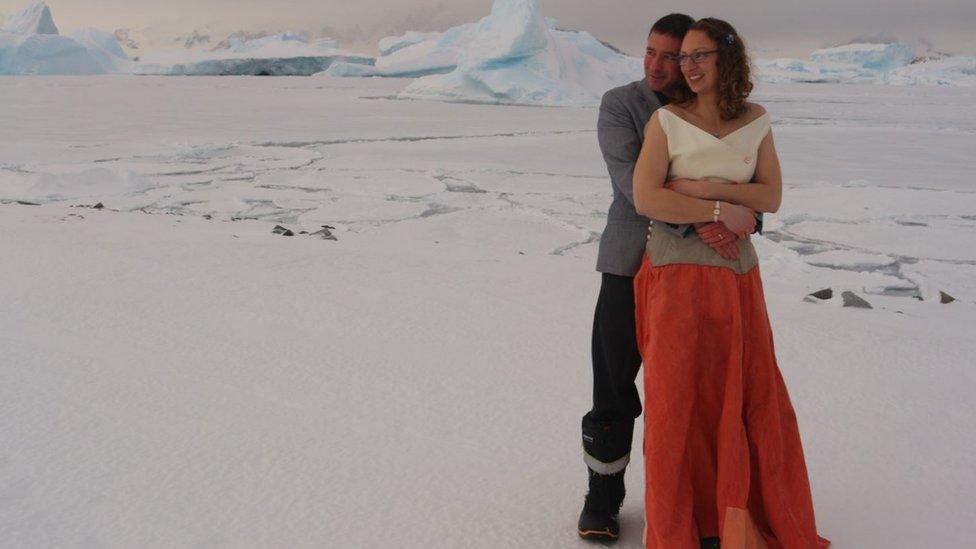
657	64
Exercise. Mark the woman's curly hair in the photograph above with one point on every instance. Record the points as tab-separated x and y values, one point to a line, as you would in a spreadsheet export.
734	82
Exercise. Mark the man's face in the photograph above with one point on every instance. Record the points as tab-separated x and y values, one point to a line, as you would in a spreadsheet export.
661	61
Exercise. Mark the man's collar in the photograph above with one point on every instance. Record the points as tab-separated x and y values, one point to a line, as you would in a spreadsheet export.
650	95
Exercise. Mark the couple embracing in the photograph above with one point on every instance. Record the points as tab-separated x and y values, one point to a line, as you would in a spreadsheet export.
693	167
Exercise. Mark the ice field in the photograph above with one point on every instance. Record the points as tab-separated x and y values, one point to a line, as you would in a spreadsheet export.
172	373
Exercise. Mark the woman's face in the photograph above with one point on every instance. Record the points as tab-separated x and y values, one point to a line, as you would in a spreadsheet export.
701	76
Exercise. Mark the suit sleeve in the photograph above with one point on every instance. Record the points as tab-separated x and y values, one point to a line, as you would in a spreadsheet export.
620	144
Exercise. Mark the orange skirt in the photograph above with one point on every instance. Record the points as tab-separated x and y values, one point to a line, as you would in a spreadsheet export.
722	453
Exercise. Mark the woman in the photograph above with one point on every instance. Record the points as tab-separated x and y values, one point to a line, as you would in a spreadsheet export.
722	449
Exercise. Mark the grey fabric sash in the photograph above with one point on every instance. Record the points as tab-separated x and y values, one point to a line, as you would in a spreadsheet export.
664	248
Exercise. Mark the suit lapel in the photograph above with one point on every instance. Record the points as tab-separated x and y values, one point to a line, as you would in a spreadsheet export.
647	96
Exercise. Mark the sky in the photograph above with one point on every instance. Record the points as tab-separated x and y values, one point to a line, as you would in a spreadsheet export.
781	27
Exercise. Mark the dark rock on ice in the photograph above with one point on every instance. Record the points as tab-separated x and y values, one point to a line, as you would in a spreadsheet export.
853	300
325	233
945	298
826	293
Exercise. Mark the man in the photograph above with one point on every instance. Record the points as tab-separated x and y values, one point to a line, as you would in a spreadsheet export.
608	427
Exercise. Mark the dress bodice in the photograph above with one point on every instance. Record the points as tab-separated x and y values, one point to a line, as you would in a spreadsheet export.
693	153
696	154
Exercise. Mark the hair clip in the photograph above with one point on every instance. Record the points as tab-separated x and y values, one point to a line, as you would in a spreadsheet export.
730	38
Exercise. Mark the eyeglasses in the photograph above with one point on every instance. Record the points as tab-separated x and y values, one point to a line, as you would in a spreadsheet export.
695	58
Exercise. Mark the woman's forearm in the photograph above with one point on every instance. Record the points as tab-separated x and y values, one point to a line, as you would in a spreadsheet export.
759	197
672	207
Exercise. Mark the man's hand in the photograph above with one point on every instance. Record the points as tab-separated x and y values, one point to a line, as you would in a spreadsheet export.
719	238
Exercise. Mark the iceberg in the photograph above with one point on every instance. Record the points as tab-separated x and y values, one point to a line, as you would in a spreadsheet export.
515	56
103	46
436	54
34	19
949	71
415	54
895	64
284	54
30	44
874	57
391	44
851	63
340	67
788	70
46	54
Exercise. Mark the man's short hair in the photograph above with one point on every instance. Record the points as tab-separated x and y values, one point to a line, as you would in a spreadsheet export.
675	25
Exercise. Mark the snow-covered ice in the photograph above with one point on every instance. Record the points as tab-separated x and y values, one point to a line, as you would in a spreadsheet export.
174	374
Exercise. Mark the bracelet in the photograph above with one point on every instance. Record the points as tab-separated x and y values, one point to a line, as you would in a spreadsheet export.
717	211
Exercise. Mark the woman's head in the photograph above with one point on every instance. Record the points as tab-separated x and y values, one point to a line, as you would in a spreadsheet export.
714	61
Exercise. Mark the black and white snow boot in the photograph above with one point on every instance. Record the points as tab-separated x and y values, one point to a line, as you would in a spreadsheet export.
598	521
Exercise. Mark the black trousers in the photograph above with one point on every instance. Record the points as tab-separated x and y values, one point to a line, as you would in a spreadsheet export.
608	428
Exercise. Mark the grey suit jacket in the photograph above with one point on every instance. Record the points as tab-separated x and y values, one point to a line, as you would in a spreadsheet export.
624	112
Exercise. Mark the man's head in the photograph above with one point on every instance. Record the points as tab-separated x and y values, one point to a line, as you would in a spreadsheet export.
663	46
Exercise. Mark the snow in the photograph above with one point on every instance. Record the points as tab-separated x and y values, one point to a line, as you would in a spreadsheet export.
513	56
34	19
174	374
92	182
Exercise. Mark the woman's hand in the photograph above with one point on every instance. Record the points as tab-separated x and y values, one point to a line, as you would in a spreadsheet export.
694	188
739	219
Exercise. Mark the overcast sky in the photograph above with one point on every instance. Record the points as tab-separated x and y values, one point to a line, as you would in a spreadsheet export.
784	27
